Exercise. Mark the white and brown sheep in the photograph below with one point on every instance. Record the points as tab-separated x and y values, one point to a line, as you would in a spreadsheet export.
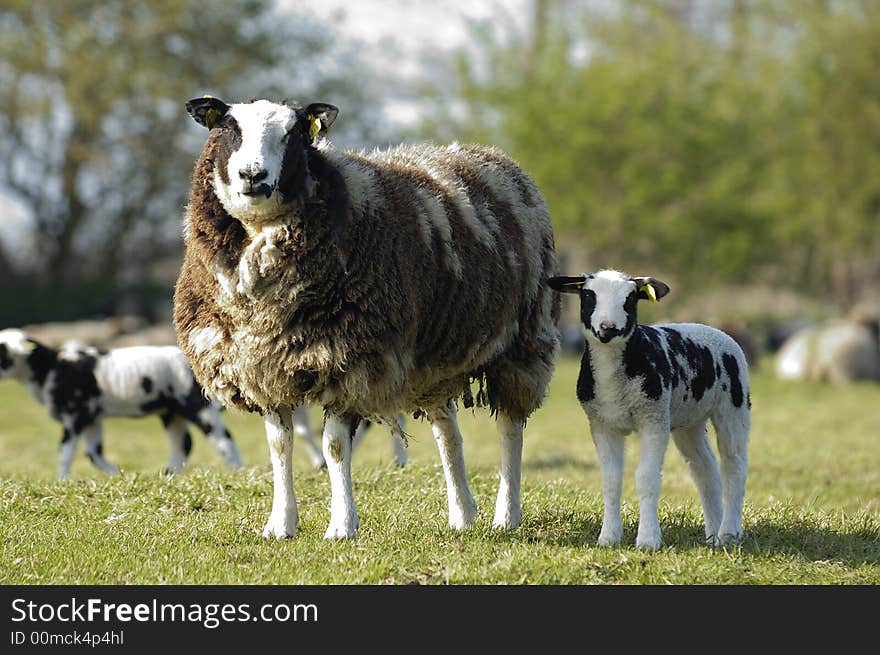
368	283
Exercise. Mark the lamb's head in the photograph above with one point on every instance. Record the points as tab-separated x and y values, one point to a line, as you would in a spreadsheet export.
15	348
608	301
259	151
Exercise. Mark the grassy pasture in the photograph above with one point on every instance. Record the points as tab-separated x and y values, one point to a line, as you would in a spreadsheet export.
812	511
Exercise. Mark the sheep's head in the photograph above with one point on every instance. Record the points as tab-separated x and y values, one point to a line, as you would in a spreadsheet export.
259	152
608	300
15	348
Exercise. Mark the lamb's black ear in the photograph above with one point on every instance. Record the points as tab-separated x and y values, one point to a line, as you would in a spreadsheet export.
650	288
567	283
206	111
319	116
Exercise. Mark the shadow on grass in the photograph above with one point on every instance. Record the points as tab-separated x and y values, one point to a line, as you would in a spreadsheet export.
852	548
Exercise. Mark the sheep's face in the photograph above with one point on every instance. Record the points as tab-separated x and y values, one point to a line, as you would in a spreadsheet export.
15	348
259	153
608	301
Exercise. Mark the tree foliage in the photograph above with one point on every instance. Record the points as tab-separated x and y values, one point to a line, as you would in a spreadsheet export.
731	141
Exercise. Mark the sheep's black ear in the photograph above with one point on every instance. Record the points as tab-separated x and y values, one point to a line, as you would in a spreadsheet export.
567	283
206	110
650	288
318	116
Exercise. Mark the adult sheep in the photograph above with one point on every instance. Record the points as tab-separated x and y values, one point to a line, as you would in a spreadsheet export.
368	283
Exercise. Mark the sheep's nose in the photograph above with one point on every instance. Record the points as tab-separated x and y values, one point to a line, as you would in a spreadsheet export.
606	325
253	174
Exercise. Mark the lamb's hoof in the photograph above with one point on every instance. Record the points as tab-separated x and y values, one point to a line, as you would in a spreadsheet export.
341	532
279	528
609	539
648	541
507	519
462	518
726	539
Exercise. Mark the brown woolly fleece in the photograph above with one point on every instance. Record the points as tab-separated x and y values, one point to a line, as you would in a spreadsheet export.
403	277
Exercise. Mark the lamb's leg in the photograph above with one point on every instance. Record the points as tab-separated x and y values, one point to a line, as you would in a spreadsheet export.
209	421
462	508
338	432
508	508
180	440
302	427
284	518
66	452
609	448
652	450
693	444
400	452
93	443
732	432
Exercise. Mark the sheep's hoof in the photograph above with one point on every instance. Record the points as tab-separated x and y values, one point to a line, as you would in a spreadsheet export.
340	532
462	518
728	539
507	519
279	529
648	542
608	540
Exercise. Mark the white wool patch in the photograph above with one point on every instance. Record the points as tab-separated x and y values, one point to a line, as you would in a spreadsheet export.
203	339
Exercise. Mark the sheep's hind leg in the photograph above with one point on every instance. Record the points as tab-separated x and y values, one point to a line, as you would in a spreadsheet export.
462	507
66	452
338	433
508	506
732	431
693	444
284	518
302	427
181	442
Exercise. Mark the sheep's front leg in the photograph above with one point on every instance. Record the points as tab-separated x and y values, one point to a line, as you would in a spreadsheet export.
284	517
338	433
609	448
93	442
462	507
652	450
508	507
66	451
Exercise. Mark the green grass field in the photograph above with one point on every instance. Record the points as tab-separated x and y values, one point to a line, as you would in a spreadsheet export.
812	512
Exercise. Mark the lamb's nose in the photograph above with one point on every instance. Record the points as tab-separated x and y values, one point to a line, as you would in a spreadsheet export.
253	174
606	325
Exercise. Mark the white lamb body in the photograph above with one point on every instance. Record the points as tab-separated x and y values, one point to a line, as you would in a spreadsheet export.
656	381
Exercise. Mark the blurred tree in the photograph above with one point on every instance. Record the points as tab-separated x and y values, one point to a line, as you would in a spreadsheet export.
732	141
95	143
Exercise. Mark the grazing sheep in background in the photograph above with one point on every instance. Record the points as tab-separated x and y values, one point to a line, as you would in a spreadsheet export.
302	427
838	352
80	386
654	380
368	284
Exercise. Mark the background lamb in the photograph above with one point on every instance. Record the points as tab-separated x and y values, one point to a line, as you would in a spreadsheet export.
368	283
656	379
82	385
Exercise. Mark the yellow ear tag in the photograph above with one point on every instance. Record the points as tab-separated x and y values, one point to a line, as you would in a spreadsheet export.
29	346
314	126
211	117
650	291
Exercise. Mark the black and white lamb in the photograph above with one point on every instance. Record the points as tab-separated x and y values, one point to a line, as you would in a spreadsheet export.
368	283
80	386
653	380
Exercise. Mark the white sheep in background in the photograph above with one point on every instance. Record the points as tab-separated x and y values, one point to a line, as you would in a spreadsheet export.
302	427
653	380
80	386
369	284
839	351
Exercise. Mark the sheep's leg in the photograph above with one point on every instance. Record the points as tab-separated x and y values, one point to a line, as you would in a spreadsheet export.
66	452
93	443
400	452
508	508
359	434
732	432
209	421
693	444
302	427
284	518
180	440
462	508
609	448
652	450
338	432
